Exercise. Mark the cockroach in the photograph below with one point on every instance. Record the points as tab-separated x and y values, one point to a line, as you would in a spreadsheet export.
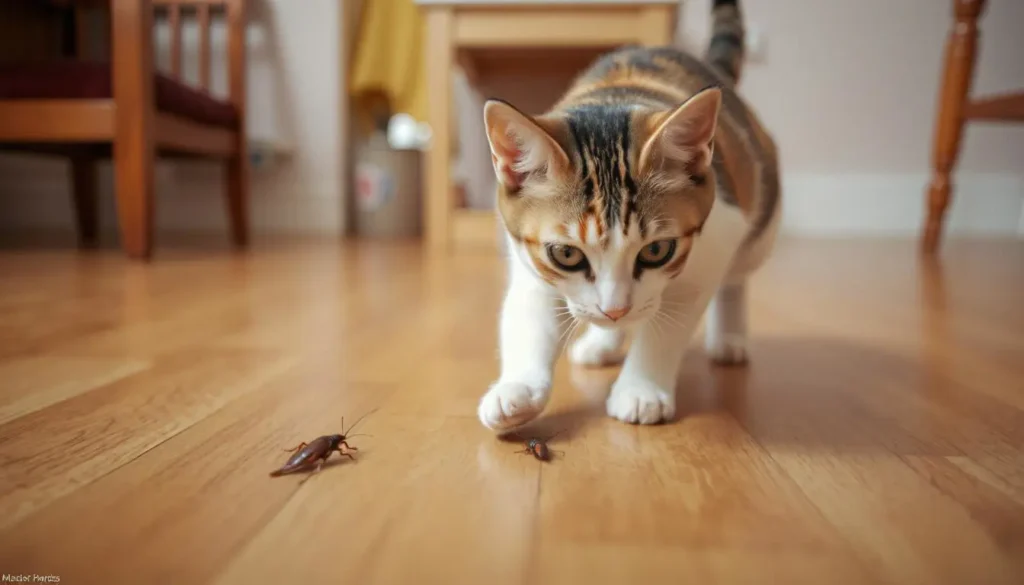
318	450
539	448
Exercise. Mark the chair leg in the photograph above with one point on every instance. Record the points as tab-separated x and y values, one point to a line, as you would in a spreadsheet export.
956	82
134	134
83	192
237	193
133	178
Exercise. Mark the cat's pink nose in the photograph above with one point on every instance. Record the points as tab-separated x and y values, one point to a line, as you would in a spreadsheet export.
616	313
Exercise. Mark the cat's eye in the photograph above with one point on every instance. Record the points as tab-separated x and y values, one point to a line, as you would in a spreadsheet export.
656	254
567	257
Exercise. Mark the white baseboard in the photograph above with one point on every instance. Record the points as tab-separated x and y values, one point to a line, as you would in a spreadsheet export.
1020	224
34	194
895	205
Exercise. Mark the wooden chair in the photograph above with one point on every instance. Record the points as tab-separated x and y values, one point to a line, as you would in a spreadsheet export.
125	109
956	108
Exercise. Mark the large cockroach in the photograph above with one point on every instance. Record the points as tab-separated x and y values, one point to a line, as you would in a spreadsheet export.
319	450
539	448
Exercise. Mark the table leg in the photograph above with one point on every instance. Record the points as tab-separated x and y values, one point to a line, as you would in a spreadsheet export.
438	204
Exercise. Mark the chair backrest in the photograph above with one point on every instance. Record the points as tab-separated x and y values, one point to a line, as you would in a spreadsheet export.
177	11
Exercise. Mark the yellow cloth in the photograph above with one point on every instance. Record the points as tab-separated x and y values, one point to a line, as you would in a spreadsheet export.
388	59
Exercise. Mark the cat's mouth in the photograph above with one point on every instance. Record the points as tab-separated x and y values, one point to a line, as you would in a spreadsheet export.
601	320
612	323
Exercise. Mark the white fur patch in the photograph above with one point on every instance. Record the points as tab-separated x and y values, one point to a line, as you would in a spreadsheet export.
598	347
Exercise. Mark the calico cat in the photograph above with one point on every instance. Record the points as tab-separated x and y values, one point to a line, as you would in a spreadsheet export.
643	199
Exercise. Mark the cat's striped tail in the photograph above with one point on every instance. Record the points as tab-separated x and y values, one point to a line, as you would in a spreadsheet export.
726	48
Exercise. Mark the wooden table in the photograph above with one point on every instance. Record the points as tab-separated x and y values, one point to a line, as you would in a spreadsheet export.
476	35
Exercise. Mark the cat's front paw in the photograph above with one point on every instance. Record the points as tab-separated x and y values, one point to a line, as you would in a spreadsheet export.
510	404
727	350
641	401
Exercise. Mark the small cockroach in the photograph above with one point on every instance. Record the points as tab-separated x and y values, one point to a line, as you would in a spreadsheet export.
539	448
318	450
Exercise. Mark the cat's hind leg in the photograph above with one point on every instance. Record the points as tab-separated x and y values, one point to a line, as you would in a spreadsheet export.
725	334
598	347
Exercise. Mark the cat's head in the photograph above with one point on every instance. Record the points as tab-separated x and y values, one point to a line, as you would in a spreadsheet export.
603	202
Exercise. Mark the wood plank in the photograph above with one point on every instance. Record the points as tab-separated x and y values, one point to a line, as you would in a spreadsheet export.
495	495
869	495
157	313
33	383
546	28
657	26
97	432
540	4
728	500
1000	108
180	134
997	507
57	121
168	490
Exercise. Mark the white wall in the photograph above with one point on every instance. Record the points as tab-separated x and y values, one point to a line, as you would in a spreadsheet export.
848	88
294	99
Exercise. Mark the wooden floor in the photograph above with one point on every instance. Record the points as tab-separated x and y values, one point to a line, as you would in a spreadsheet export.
877	436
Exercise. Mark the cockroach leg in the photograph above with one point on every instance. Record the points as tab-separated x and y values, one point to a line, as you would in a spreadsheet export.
293	449
319	466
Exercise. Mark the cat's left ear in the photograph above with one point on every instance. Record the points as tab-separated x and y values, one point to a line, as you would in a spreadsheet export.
521	145
682	138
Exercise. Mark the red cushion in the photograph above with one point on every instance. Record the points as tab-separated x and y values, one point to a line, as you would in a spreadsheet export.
76	80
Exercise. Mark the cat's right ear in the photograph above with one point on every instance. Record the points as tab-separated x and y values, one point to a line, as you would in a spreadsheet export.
684	138
520	146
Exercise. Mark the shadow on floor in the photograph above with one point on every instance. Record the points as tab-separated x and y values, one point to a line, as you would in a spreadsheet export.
827	394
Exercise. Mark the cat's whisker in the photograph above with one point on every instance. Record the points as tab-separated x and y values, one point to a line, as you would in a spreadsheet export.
666	314
677	310
564	322
656	325
570	332
673	319
566	336
672	303
666	329
678	313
